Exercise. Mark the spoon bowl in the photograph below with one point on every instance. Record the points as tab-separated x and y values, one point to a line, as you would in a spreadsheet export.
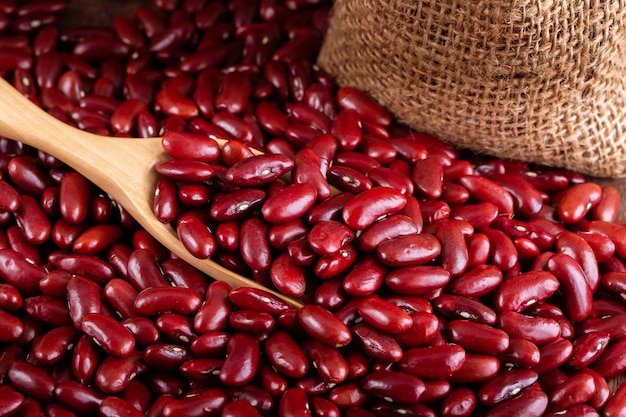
121	167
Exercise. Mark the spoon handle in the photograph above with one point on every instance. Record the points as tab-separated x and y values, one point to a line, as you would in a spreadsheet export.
121	167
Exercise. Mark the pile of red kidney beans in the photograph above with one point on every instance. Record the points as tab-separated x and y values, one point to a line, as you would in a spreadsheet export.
435	283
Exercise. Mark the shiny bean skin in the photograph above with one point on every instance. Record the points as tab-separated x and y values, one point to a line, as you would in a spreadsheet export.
577	247
437	362
376	344
157	300
576	202
74	198
477	337
485	190
330	363
288	277
616	405
209	401
587	348
523	290
32	381
323	326
393	386
10	401
290	203
286	356
476	282
242	360
362	210
574	286
112	336
530	403
384	315
538	330
575	391
388	228
413	249
258	170
465	308
506	385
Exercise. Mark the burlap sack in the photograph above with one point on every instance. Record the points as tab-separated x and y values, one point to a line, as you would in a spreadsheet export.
536	80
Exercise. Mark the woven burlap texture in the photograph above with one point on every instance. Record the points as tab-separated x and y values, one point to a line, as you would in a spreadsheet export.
537	80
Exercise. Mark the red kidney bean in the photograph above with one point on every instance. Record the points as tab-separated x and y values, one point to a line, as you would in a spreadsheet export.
553	355
83	297
576	247
538	330
52	346
239	408
254	246
16	270
120	295
181	145
506	385
9	197
32	220
454	306
526	197
454	255
286	356
409	250
459	403
530	402
258	170
478	215
10	400
393	386
280	235
12	327
10	298
437	362
48	310
485	190
32	381
365	277
327	237
242	360
587	348
575	202
114	406
610	363
176	327
615	405
288	277
346	127
362	210
86	357
208	401
320	324
257	300
77	397
348	179
607	208
294	402
290	203
351	98
575	391
521	291
476	282
503	253
210	344
331	266
144	271
388	228
114	374
251	321
384	315
424	329
376	344
157	300
330	363
476	368
417	280
308	168
237	204
204	370
111	335
477	337
613	231
574	286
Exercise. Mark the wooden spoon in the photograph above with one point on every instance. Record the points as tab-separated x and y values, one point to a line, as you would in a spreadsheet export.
121	167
